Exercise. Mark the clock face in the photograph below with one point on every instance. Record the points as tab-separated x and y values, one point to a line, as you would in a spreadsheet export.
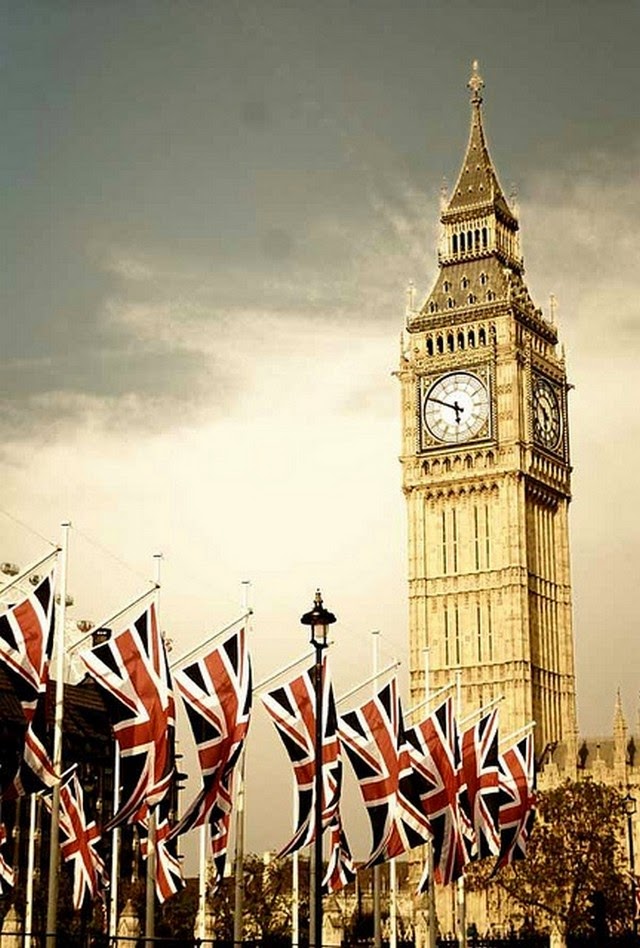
547	417
456	408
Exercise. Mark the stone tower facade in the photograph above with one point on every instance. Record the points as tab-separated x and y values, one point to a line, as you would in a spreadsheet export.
486	472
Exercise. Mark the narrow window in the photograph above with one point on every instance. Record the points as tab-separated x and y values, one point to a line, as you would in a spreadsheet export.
450	342
455	243
483	279
446	286
484	237
472	298
482	337
460	340
440	345
490	296
487	536
430	346
444	542
479	632
454	538
433	306
489	632
472	339
476	236
469	240
446	636
462	243
476	537
450	303
464	283
457	634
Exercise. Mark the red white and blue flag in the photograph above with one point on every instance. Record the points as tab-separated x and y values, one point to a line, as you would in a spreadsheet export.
435	757
292	707
216	691
373	737
26	643
517	800
80	839
132	672
168	864
481	793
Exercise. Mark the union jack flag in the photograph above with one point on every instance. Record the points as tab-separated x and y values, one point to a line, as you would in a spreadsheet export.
132	671
169	879
26	642
374	738
216	691
517	800
435	757
6	871
481	795
292	707
79	843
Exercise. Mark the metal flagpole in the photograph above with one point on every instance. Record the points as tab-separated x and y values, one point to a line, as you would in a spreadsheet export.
54	833
31	865
480	711
202	882
462	904
238	897
112	618
115	850
363	684
377	932
431	886
150	901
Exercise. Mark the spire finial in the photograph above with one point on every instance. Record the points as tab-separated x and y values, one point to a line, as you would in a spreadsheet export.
475	84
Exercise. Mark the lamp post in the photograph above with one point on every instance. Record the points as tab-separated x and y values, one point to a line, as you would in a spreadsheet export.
630	806
319	619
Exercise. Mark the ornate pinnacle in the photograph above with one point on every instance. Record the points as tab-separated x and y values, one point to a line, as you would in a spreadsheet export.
475	84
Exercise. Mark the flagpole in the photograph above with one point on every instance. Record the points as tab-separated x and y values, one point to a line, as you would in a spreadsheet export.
433	697
295	888
307	657
30	569
54	833
31	865
462	903
150	901
431	886
377	933
202	882
115	850
238	898
510	738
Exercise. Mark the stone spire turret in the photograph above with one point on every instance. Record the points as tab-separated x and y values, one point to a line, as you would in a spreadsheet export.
619	743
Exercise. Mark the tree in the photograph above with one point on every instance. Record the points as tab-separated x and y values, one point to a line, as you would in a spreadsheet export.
575	860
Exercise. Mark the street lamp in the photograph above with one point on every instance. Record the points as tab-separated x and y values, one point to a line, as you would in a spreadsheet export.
630	807
319	619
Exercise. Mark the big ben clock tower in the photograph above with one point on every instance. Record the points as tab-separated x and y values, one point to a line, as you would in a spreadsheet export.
486	473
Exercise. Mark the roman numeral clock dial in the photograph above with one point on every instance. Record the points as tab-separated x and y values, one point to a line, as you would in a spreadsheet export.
455	409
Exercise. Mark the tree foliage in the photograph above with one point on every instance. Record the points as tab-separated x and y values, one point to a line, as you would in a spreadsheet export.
576	849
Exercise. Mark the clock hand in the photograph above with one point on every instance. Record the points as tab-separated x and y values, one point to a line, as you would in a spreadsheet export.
458	409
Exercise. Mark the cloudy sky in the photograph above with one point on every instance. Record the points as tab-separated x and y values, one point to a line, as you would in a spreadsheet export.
210	214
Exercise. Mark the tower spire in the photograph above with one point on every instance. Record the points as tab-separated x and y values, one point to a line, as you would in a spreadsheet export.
475	84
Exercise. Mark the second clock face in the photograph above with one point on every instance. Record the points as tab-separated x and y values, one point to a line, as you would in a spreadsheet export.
456	408
547	418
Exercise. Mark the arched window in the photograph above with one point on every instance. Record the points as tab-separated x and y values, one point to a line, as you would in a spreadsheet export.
440	345
469	240
450	342
490	295
471	298
462	243
464	283
450	303
455	243
460	340
484	237
430	346
433	306
483	279
476	236
446	286
482	337
472	339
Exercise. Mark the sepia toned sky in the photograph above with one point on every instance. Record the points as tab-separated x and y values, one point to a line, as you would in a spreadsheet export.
210	214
